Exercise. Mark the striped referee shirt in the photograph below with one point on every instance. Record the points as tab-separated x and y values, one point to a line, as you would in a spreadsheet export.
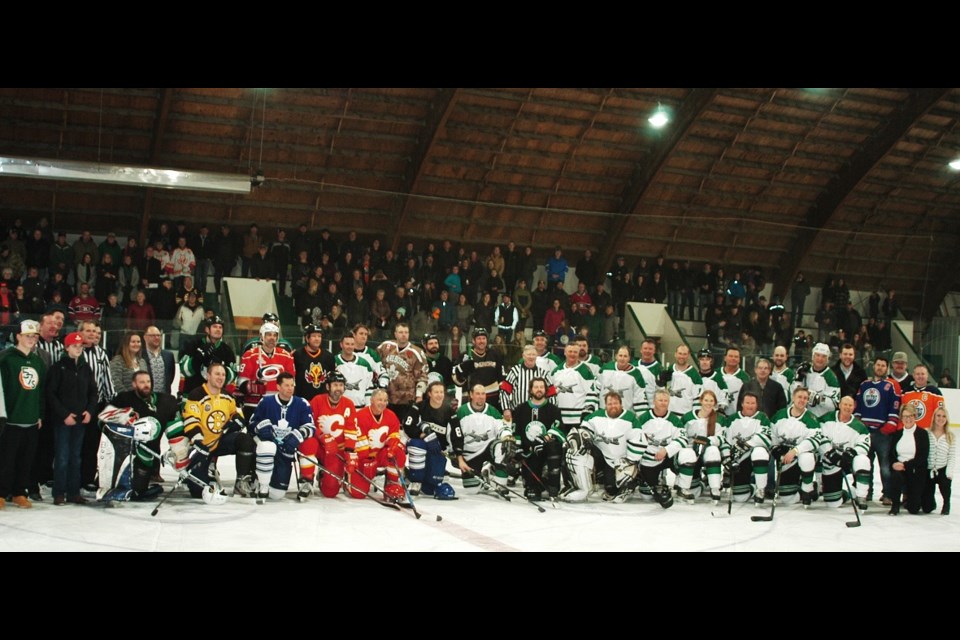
515	389
98	360
53	348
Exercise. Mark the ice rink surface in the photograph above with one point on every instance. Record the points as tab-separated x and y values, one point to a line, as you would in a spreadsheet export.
472	523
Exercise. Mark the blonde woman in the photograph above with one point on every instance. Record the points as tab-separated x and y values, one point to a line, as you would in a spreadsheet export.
943	456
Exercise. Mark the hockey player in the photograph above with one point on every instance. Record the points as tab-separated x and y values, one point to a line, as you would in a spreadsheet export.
378	447
361	333
357	372
586	357
405	369
745	450
428	435
577	391
261	366
704	429
483	443
145	402
537	422
791	426
734	377
683	382
546	359
843	444
648	358
925	397
878	407
482	366
600	443
212	423
652	447
713	380
197	357
782	374
627	380
271	318
515	390
312	363
336	434
440	366
820	382
282	422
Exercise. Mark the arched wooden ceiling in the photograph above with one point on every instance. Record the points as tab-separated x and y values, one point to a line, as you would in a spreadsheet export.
850	181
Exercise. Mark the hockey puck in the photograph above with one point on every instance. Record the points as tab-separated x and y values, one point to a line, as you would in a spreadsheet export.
439	518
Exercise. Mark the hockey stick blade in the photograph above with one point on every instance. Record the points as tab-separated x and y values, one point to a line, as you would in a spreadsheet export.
761	518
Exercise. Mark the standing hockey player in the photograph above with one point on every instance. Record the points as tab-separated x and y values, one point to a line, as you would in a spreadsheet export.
198	356
282	422
683	382
261	366
537	422
713	380
820	382
878	407
361	333
704	429
603	438
791	426
312	363
652	447
426	463
483	443
734	377
405	369
782	374
627	380
482	366
213	424
745	450
843	444
335	418
357	372
577	391
440	366
546	359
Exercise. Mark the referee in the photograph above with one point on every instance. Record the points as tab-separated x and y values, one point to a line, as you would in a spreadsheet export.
515	390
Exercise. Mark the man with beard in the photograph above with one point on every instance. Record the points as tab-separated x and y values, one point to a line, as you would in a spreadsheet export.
848	371
878	407
537	422
441	367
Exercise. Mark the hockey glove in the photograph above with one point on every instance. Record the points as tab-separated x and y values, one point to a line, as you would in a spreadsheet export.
889	428
291	443
728	464
779	451
815	399
265	431
351	462
665	377
833	457
206	350
847	459
199	457
803	370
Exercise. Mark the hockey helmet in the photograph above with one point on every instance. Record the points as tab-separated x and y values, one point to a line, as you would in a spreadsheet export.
427	337
480	331
335	376
209	322
269	327
311	328
704	353
146	429
271	317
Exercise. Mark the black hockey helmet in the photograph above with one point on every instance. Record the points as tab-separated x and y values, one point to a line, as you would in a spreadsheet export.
335	376
209	322
540	333
311	328
480	331
427	337
271	317
705	353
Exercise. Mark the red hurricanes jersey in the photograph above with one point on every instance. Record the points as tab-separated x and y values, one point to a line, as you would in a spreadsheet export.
339	422
260	371
925	403
376	434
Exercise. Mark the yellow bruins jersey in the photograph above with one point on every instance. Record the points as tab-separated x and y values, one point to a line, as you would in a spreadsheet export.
208	415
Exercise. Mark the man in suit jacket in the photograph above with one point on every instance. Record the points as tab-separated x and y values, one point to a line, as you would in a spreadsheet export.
161	363
771	393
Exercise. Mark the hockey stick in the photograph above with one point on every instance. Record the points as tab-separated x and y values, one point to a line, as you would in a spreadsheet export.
853	501
486	484
776	494
553	501
734	468
343	480
406	490
296	468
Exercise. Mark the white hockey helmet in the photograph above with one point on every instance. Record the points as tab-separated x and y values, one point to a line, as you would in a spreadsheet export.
269	327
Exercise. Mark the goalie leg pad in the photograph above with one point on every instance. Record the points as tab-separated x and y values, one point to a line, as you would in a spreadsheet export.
580	466
553	452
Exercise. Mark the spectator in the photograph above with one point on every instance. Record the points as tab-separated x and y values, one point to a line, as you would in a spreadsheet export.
128	361
140	314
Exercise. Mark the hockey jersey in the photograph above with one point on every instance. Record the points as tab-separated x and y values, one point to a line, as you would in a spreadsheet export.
630	384
207	415
925	402
836	434
533	422
878	405
312	370
336	421
824	391
753	431
577	393
548	361
376	432
696	427
609	434
275	419
258	373
360	378
716	382
487	370
790	431
594	363
734	382
651	433
477	430
784	379
685	387
655	368
406	370
373	358
442	421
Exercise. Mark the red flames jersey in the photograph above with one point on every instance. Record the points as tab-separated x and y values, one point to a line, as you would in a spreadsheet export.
339	422
375	434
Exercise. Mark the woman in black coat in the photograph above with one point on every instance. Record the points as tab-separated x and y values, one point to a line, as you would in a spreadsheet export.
911	452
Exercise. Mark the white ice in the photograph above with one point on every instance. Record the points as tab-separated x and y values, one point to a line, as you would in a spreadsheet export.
472	523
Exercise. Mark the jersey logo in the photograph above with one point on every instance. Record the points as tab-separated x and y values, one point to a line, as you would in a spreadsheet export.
314	375
535	430
565	388
352	386
216	420
29	378
327	424
920	407
871	397
378	437
599	437
477	437
269	372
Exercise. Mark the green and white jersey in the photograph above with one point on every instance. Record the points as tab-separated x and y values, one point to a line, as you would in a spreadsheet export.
655	368
477	430
652	433
577	392
594	363
610	434
685	390
697	427
630	384
735	382
836	434
753	430
790	431
716	383
824	391
359	375
784	379
372	357
548	361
